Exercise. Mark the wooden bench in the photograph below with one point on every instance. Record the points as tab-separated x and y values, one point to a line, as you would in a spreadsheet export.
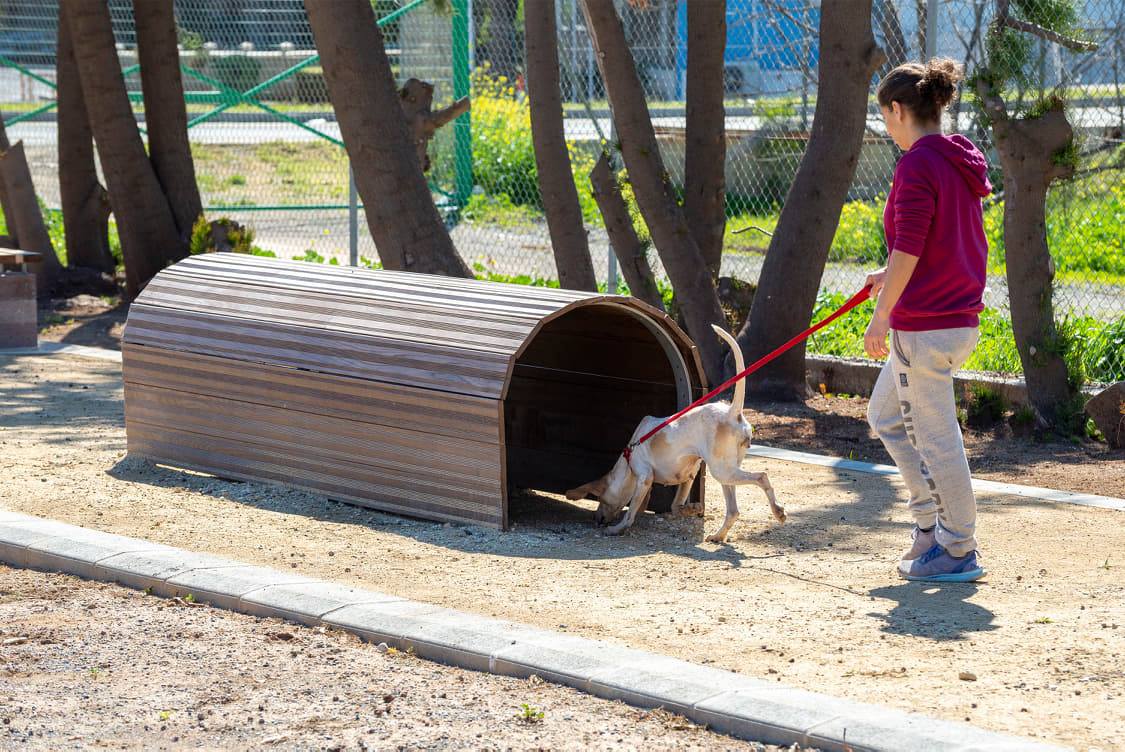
18	325
427	396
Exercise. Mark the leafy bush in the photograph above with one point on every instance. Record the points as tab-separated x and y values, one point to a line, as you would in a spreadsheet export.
1085	228
996	349
504	154
239	239
984	406
1092	349
859	236
238	72
499	211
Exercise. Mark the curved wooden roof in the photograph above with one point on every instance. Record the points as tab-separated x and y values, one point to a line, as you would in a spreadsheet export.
446	334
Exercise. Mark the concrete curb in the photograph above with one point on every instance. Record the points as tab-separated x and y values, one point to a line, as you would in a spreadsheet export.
741	706
979	484
56	348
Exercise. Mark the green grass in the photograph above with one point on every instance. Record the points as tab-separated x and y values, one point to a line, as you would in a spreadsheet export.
1095	347
1085	227
273	173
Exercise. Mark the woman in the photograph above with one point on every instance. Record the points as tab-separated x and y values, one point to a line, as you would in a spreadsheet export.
929	298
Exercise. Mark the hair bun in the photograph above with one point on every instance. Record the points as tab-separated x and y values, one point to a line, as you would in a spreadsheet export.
939	81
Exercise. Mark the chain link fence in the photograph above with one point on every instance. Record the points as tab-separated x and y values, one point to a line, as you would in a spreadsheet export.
268	155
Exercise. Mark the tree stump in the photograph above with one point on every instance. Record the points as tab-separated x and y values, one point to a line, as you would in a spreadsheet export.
1107	408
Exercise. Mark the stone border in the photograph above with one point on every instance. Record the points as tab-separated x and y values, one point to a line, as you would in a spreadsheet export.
858	376
979	484
53	348
727	702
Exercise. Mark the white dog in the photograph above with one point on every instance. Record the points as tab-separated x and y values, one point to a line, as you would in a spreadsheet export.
715	433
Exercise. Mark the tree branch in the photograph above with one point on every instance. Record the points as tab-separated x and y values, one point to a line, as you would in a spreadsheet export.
788	13
1050	36
993	103
446	114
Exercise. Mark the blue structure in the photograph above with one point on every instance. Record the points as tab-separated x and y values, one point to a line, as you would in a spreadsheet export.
766	49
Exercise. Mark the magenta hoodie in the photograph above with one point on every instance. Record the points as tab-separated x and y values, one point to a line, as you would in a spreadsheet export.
934	212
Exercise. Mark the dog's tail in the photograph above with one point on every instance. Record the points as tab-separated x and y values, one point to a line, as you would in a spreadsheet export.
740	387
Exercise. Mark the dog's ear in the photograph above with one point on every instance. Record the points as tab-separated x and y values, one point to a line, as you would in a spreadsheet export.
593	488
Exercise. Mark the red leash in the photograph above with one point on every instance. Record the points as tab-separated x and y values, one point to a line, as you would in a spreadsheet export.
853	301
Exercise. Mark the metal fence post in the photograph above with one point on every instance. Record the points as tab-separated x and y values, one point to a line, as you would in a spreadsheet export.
931	29
462	126
353	219
610	256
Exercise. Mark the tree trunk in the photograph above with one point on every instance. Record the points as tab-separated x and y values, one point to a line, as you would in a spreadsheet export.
401	215
500	44
706	148
26	216
552	158
694	286
630	251
790	277
890	27
85	203
1026	149
166	115
4	205
144	219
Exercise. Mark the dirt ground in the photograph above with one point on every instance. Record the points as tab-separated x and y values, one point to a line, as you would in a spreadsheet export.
85	665
825	424
813	604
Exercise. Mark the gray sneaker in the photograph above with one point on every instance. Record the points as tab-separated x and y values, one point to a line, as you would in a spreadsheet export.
923	541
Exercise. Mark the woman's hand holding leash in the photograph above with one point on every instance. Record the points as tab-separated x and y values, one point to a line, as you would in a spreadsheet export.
888	284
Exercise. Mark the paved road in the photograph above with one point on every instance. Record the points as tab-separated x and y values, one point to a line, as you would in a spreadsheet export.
577	128
528	251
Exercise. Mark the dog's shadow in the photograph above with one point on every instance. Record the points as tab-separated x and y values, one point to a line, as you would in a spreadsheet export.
541	526
939	611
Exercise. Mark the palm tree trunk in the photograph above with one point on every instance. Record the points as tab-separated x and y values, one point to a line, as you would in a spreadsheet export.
85	203
706	148
144	220
790	278
401	215
1026	148
694	286
166	115
556	181
26	216
630	251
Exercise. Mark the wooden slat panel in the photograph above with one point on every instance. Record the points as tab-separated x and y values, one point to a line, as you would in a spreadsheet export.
305	434
393	361
250	462
359	400
368	283
320	312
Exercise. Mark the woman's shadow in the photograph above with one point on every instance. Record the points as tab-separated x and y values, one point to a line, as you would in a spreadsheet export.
940	611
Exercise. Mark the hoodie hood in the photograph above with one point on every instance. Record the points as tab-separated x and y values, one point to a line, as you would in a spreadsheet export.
962	154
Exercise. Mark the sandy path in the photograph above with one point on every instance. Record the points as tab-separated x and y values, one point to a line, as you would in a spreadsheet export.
813	604
94	666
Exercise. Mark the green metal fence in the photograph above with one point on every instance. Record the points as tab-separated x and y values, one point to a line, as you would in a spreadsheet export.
268	153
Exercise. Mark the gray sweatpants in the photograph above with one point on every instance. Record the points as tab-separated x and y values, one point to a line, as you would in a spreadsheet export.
914	412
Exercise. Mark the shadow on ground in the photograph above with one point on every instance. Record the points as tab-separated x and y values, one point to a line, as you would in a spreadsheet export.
937	611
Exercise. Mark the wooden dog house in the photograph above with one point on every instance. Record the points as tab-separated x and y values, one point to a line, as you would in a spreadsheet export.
409	393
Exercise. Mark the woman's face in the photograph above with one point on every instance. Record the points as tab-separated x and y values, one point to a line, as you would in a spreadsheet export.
896	118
